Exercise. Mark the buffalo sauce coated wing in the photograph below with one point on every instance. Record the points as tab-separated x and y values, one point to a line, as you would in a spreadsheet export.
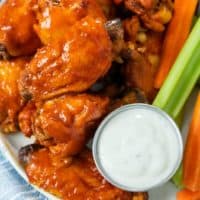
142	67
64	124
143	56
154	13
71	66
77	51
17	18
10	100
71	178
56	20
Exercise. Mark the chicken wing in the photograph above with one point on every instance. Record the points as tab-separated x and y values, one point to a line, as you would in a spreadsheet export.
10	101
66	123
16	27
143	54
154	13
56	20
77	51
74	178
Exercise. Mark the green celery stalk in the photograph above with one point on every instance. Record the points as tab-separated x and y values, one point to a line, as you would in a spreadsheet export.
177	178
185	85
182	77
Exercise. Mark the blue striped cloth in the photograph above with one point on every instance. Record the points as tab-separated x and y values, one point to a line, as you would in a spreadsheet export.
12	186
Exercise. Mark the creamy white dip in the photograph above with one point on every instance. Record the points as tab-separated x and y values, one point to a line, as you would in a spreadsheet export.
138	147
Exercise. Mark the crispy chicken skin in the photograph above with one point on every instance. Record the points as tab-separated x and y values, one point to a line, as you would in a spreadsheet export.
16	27
136	74
64	124
78	50
25	118
58	21
71	178
10	101
143	59
154	13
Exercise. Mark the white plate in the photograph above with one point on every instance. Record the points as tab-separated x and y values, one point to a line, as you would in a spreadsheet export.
10	144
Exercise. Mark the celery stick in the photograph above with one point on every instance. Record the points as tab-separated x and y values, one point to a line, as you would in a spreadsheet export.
185	85
182	77
177	178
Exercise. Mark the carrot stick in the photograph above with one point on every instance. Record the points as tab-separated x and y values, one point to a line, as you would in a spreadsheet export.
187	195
191	160
177	33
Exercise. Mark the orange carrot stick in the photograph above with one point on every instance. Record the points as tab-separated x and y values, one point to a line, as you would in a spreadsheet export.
177	33
187	195
191	160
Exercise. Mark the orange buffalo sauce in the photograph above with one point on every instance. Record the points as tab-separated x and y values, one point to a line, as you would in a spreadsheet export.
71	178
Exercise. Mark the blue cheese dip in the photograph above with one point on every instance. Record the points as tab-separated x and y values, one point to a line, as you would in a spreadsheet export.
137	147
